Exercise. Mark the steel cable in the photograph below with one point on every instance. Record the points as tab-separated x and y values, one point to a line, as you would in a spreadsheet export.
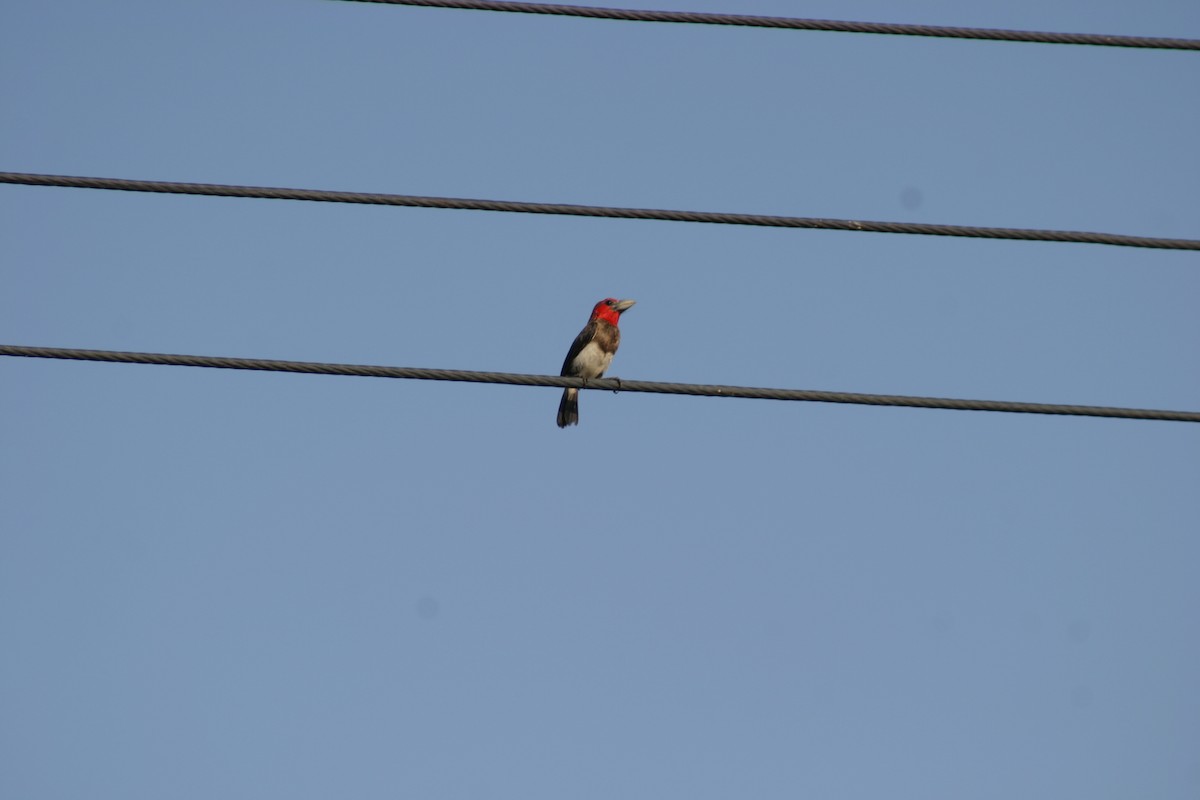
514	206
610	384
745	20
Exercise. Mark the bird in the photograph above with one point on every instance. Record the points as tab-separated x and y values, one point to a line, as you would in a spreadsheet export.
591	353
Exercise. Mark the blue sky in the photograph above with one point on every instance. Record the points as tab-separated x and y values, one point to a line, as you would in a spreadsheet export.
267	585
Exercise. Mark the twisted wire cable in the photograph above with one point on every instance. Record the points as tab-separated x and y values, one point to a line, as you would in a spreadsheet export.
610	384
514	206
752	21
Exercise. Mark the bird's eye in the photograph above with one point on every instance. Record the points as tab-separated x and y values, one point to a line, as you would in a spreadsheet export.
611	302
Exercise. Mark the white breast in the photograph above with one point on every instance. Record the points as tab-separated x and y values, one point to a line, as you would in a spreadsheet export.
591	361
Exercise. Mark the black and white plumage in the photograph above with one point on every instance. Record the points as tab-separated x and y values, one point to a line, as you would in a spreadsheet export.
591	353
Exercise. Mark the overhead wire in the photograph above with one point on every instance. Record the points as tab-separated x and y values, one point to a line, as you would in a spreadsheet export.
521	207
610	384
842	26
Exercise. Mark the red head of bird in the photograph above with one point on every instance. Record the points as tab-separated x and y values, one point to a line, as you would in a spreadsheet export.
610	309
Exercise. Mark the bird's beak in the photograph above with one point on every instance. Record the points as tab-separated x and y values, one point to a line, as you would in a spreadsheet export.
624	306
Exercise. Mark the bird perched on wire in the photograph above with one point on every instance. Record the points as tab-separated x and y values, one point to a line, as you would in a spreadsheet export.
591	353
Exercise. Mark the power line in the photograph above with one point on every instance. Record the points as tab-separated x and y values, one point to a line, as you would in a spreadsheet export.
745	20
612	384
514	206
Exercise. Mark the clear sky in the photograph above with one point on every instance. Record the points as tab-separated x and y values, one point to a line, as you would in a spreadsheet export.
252	585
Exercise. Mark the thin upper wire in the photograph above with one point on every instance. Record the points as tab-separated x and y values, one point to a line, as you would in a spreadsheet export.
611	384
711	217
752	21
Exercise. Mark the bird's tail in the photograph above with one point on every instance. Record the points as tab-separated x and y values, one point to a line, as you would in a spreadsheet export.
568	408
